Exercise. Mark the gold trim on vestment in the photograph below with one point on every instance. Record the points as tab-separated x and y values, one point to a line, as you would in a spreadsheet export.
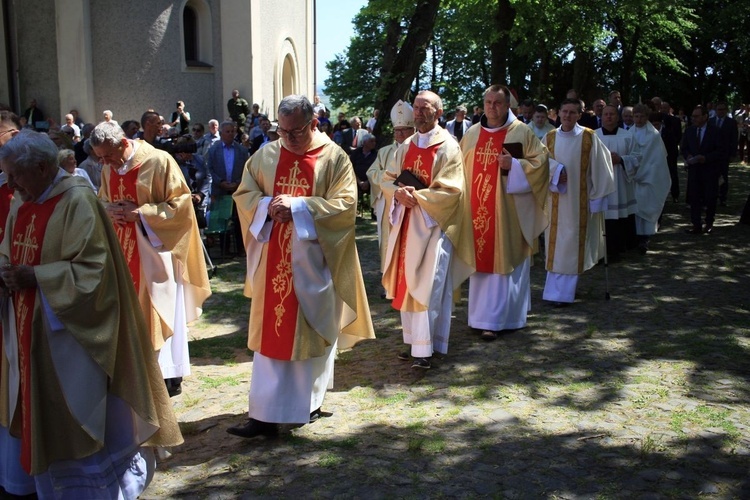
586	144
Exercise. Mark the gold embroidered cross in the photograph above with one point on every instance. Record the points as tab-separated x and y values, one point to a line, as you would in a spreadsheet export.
121	194
294	185
416	170
487	155
26	244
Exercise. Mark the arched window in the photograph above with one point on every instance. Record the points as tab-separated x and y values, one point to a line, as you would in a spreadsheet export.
197	42
190	29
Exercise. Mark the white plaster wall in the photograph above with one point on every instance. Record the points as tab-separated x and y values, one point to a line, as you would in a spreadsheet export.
136	56
137	61
295	25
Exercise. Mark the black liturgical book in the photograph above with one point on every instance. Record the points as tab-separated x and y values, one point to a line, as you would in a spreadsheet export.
515	149
409	179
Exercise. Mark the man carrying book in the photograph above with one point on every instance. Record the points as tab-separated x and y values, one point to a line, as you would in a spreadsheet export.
430	244
507	173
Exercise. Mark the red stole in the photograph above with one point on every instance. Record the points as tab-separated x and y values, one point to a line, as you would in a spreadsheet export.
294	176
485	180
123	187
419	162
26	249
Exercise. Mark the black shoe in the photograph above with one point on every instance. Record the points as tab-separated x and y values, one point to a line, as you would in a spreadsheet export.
708	229
694	230
404	356
253	428
315	415
560	304
174	386
422	363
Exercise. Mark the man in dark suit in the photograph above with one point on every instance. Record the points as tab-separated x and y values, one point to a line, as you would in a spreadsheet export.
701	148
728	132
262	137
226	162
673	127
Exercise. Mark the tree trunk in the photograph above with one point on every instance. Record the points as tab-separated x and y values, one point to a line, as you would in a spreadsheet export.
395	81
505	15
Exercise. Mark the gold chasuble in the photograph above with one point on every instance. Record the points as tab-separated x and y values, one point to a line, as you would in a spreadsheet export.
279	326
445	201
27	238
294	176
156	185
506	225
419	162
87	339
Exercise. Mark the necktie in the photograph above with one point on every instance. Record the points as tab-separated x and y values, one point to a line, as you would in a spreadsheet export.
354	141
699	136
719	122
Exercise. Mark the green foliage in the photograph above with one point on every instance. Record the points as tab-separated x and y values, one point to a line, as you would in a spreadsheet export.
643	48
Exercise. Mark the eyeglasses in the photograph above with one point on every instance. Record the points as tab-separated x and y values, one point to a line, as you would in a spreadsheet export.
293	133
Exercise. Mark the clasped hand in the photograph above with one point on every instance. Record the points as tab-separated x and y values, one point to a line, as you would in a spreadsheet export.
405	195
15	278
280	208
122	212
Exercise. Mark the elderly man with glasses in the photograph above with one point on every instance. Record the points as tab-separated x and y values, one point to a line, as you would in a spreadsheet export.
297	204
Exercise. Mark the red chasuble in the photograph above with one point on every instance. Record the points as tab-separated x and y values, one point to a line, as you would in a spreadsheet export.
484	185
294	176
122	188
26	249
419	162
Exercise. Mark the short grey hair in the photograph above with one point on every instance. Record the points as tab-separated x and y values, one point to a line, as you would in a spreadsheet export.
461	108
214	122
291	103
64	154
227	123
367	137
106	133
29	149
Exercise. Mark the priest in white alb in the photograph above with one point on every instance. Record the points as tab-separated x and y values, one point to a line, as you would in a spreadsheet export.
430	245
507	174
297	205
652	178
581	178
621	206
150	204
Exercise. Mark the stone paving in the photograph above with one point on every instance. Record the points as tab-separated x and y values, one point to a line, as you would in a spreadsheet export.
642	396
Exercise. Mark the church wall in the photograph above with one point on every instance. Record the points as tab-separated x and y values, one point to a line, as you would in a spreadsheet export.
137	61
291	29
37	55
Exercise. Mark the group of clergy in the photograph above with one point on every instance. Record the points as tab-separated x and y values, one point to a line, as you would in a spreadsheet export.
82	365
476	210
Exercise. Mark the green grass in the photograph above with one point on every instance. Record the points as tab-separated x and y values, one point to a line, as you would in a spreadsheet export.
705	417
224	347
215	382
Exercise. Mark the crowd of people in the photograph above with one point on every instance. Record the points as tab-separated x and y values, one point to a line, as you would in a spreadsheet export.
102	245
